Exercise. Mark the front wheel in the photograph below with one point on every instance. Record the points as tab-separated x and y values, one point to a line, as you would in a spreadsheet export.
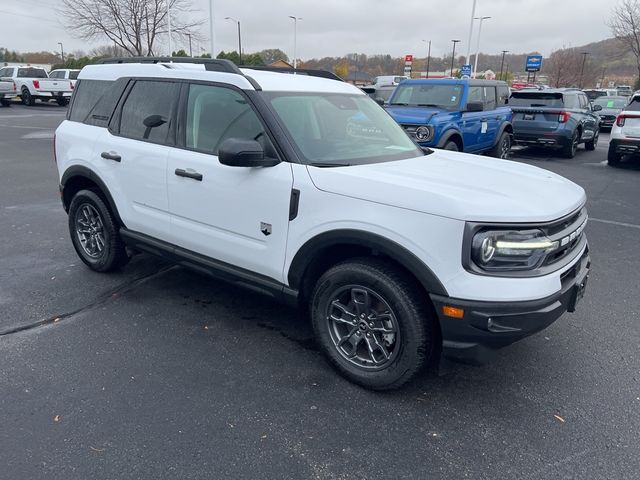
502	147
593	143
373	323
27	98
451	146
94	233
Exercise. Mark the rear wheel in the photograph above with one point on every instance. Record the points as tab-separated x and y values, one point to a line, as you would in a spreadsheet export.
502	147
5	102
452	146
27	98
94	233
372	323
593	143
613	158
570	150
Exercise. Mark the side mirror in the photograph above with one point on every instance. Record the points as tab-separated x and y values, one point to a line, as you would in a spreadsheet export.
596	108
380	101
475	107
237	152
153	121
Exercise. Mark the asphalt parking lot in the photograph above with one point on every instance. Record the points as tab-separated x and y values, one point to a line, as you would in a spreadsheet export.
158	372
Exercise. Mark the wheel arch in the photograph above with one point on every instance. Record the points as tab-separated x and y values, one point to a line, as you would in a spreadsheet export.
454	135
505	127
77	178
328	248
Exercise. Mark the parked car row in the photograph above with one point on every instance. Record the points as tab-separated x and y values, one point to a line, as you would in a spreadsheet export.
34	83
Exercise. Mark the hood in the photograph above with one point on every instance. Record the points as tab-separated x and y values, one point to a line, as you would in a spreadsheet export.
414	115
457	185
610	111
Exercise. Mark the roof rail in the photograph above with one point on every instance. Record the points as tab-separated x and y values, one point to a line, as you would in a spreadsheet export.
297	71
211	64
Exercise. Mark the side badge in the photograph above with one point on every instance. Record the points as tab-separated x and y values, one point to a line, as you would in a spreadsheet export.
265	228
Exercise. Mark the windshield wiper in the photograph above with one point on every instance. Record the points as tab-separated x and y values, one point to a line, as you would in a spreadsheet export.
427	105
329	164
398	103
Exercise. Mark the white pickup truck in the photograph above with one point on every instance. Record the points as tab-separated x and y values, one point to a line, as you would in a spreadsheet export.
33	84
7	92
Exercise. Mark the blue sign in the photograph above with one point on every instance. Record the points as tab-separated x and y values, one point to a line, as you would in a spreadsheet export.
465	71
534	63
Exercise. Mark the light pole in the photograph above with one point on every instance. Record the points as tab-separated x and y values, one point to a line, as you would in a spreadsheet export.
453	55
239	36
212	34
428	56
502	62
475	63
473	14
61	51
295	39
190	51
584	59
169	27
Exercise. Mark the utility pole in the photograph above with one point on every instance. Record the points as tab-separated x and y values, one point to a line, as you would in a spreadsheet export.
473	14
295	40
475	63
584	59
169	27
428	56
190	51
502	62
61	51
212	34
453	55
239	37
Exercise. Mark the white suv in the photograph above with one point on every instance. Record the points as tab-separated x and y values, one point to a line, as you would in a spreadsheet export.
625	132
303	188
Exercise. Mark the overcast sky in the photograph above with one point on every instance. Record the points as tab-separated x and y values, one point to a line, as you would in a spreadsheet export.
337	27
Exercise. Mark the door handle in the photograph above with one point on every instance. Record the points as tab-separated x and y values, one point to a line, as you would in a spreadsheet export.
184	173
484	119
111	156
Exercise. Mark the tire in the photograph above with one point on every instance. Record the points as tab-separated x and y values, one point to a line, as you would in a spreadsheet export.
451	146
5	103
593	143
27	98
63	102
570	150
94	233
388	349
613	158
502	147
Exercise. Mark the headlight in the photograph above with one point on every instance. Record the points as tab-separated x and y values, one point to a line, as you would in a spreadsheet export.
508	250
423	134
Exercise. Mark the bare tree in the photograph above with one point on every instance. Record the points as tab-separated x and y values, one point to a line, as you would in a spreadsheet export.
563	67
133	25
625	26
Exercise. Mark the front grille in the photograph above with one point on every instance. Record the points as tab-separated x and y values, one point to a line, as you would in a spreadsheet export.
569	232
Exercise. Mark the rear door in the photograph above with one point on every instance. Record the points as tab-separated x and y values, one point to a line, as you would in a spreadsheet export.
472	124
591	119
133	154
492	120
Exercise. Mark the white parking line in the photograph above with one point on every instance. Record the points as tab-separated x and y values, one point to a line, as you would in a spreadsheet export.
613	222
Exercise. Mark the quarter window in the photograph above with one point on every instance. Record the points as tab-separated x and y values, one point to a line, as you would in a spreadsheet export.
217	113
146	113
503	95
87	93
489	98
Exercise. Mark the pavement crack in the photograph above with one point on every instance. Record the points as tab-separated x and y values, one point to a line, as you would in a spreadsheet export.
123	288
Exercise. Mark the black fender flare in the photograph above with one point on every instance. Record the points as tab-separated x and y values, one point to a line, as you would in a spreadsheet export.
447	135
503	127
308	252
76	171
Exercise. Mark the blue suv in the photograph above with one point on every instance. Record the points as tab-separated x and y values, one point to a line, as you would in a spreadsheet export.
461	115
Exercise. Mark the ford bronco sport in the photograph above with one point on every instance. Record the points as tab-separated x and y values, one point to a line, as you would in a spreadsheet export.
303	188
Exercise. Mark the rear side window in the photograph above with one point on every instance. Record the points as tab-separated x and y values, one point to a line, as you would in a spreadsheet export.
73	75
503	95
634	106
56	75
571	101
475	95
489	98
32	73
85	96
146	113
536	99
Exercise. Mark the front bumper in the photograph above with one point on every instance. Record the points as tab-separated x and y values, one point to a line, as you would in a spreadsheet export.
488	326
625	146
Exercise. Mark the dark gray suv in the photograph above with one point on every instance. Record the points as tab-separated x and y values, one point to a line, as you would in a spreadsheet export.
557	118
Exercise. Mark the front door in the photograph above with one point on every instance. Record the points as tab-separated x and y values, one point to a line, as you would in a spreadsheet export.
236	215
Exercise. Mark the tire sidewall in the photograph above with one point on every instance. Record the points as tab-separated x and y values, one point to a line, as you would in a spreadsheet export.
87	197
453	144
412	348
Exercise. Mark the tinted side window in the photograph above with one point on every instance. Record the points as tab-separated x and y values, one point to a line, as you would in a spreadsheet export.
475	95
217	113
73	75
571	101
31	73
489	98
503	95
147	99
54	74
5	72
85	96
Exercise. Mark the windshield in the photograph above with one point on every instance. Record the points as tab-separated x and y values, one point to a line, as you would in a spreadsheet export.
428	95
609	102
341	129
535	99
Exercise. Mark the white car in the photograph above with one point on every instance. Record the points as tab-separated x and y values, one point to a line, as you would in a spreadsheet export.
303	188
33	83
625	132
7	92
70	74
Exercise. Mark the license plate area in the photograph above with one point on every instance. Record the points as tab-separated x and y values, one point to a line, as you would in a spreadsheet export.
577	293
529	116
